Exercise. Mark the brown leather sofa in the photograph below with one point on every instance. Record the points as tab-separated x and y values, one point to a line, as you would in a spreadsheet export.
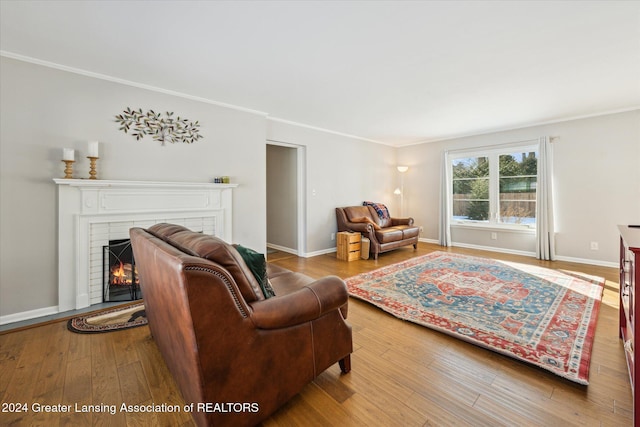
384	234
225	344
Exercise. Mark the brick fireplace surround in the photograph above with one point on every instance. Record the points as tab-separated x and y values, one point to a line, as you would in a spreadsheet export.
92	212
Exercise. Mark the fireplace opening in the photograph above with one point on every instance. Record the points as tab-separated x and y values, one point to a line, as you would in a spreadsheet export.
119	279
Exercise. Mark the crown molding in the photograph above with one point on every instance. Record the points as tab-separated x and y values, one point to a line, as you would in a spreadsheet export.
289	122
126	82
506	129
54	65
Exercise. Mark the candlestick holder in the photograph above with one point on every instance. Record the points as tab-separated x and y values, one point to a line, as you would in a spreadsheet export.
68	169
92	167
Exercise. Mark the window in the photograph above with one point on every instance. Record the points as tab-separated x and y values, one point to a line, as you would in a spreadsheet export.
496	187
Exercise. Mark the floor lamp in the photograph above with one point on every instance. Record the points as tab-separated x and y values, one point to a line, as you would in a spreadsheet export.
400	191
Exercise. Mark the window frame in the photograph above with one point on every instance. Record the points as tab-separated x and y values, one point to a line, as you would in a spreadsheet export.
493	154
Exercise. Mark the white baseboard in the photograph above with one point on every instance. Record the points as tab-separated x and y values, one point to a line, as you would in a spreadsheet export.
460	245
282	248
300	254
532	254
425	240
28	315
588	261
321	252
493	249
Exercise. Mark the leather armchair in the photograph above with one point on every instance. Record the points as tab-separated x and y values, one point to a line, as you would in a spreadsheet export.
222	340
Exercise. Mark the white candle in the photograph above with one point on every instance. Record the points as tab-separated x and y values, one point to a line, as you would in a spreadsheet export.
93	148
68	154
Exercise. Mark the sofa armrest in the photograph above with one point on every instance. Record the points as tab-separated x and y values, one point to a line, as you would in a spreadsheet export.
345	225
303	305
360	227
402	221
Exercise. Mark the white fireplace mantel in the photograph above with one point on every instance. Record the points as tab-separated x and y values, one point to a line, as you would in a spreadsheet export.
90	212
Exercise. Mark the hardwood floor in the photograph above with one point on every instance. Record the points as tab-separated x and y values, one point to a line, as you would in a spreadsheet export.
402	374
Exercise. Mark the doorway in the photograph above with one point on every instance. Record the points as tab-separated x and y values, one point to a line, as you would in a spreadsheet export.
285	197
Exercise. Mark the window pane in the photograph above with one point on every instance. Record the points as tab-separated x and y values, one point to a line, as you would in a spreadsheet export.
477	210
470	167
518	181
471	188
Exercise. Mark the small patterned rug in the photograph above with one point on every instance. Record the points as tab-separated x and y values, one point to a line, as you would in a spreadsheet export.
115	319
537	315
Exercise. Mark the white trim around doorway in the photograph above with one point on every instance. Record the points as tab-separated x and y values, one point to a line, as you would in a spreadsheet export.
301	196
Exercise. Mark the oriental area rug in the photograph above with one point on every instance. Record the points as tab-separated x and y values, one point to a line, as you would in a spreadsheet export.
116	319
537	315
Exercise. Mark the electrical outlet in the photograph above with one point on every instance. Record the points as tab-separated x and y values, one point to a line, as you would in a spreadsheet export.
333	236
594	246
494	236
421	229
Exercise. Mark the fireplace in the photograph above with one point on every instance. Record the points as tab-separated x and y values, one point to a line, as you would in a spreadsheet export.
119	274
93	213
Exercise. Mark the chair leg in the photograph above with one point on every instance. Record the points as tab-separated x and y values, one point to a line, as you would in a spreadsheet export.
415	246
345	364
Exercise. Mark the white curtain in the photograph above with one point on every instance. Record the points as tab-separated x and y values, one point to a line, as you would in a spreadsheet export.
545	244
445	204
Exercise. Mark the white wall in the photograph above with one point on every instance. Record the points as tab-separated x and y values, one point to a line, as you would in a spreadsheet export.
43	110
340	171
597	184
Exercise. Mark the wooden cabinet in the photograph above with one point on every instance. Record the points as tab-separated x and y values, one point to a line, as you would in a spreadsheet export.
348	245
629	325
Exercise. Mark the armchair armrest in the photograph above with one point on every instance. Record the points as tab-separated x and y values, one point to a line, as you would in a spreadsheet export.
303	305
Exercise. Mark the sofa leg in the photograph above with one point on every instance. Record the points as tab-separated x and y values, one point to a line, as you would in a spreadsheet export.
415	246
345	364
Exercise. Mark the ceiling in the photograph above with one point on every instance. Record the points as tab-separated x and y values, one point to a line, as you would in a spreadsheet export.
391	72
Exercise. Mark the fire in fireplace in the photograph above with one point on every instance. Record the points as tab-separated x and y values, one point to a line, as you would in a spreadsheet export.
120	279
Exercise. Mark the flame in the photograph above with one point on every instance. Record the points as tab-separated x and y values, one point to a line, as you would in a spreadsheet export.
121	274
118	271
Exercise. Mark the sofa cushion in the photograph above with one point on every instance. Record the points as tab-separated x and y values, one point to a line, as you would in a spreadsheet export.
274	270
289	282
165	231
213	249
258	266
408	231
390	234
